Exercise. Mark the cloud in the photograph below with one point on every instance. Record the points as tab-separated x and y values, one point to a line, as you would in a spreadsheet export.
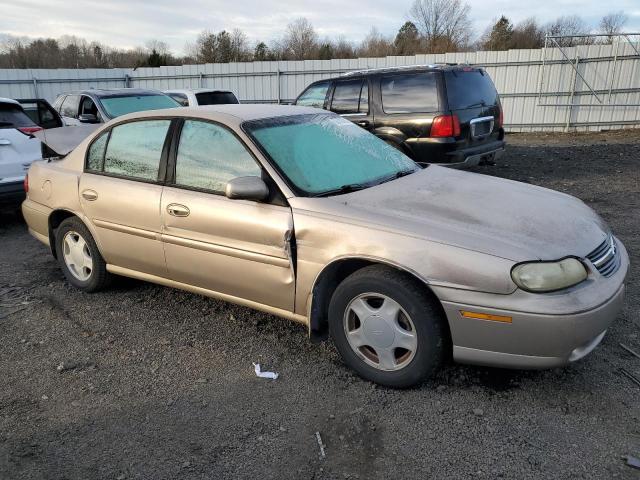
130	23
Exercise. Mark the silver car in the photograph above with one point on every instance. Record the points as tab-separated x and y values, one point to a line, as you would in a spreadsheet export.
302	214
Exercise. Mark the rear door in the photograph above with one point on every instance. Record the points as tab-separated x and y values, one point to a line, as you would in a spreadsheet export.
18	149
350	99
120	192
472	96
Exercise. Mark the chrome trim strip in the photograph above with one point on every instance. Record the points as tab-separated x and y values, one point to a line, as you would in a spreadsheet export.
116	227
222	250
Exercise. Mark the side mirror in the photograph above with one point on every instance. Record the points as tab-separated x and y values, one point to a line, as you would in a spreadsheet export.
247	188
87	118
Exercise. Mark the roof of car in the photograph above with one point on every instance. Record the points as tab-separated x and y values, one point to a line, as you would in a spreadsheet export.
237	113
116	92
197	90
403	68
9	100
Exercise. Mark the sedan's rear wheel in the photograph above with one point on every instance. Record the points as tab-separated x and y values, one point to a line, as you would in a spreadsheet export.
387	328
79	256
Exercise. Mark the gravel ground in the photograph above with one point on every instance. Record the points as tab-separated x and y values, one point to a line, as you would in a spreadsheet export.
145	382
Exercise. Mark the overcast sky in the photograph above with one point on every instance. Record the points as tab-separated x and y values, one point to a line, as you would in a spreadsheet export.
129	23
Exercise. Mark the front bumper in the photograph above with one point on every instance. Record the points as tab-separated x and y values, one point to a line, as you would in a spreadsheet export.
545	330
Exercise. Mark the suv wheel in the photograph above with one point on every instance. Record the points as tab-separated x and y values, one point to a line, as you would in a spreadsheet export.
79	257
386	327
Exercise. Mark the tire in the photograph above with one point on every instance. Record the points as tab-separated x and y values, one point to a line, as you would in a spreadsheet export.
89	279
374	347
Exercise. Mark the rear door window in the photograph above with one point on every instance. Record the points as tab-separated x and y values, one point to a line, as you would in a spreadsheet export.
470	88
69	107
410	92
216	98
181	98
12	116
346	97
134	149
314	96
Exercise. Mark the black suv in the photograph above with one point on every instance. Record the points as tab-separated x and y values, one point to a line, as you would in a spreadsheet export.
449	114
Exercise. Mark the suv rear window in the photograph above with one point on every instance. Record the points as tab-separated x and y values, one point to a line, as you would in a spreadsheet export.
216	98
409	92
470	88
12	116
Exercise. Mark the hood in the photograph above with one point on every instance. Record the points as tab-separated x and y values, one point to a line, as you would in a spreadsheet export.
63	140
504	218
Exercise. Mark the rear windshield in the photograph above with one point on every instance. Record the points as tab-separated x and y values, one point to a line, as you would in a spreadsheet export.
216	98
409	92
116	106
470	88
12	116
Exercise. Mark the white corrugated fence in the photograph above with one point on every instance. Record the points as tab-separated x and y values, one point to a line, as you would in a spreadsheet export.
590	87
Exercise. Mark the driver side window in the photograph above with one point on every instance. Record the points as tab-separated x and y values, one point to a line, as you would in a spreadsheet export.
209	156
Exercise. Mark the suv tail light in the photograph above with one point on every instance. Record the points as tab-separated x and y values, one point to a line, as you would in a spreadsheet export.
29	130
445	126
26	183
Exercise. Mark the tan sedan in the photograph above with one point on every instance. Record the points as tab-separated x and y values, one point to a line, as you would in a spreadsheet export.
304	215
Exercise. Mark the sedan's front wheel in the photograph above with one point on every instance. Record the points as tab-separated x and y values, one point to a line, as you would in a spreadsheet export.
79	256
386	327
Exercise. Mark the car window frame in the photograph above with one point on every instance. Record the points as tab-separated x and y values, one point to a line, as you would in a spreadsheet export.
335	84
276	196
442	102
77	105
330	88
182	96
162	167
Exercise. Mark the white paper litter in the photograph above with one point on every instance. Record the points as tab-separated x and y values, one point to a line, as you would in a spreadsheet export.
262	374
320	444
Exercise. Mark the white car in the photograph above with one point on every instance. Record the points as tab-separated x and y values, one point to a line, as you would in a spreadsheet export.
18	149
201	96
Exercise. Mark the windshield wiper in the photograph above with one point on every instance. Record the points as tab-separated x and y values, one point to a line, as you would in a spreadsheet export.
401	173
348	188
481	103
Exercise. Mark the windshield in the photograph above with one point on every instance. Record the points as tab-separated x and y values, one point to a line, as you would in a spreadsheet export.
323	154
116	106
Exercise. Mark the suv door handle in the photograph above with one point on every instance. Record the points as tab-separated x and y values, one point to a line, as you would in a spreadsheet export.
4	141
363	123
177	210
90	195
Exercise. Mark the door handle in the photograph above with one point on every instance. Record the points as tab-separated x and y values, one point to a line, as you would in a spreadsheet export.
90	195
4	141
363	123
177	210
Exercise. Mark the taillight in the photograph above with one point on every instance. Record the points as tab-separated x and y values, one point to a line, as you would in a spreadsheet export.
29	130
500	118
445	126
26	183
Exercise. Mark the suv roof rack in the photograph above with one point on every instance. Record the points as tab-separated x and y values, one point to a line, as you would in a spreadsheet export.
402	67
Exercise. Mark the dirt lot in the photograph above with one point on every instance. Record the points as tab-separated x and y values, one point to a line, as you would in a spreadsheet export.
144	382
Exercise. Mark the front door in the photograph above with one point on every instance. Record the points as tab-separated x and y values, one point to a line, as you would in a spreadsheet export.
120	193
237	248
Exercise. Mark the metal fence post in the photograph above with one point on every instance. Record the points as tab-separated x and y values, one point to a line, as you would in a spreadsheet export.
573	91
127	80
201	80
35	87
278	84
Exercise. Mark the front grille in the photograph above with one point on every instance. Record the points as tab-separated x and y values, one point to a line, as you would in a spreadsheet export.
606	257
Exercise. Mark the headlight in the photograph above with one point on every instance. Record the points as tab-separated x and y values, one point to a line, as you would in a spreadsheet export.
549	276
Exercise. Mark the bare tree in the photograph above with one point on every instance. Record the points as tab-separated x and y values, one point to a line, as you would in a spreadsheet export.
375	45
569	27
612	23
300	41
444	24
